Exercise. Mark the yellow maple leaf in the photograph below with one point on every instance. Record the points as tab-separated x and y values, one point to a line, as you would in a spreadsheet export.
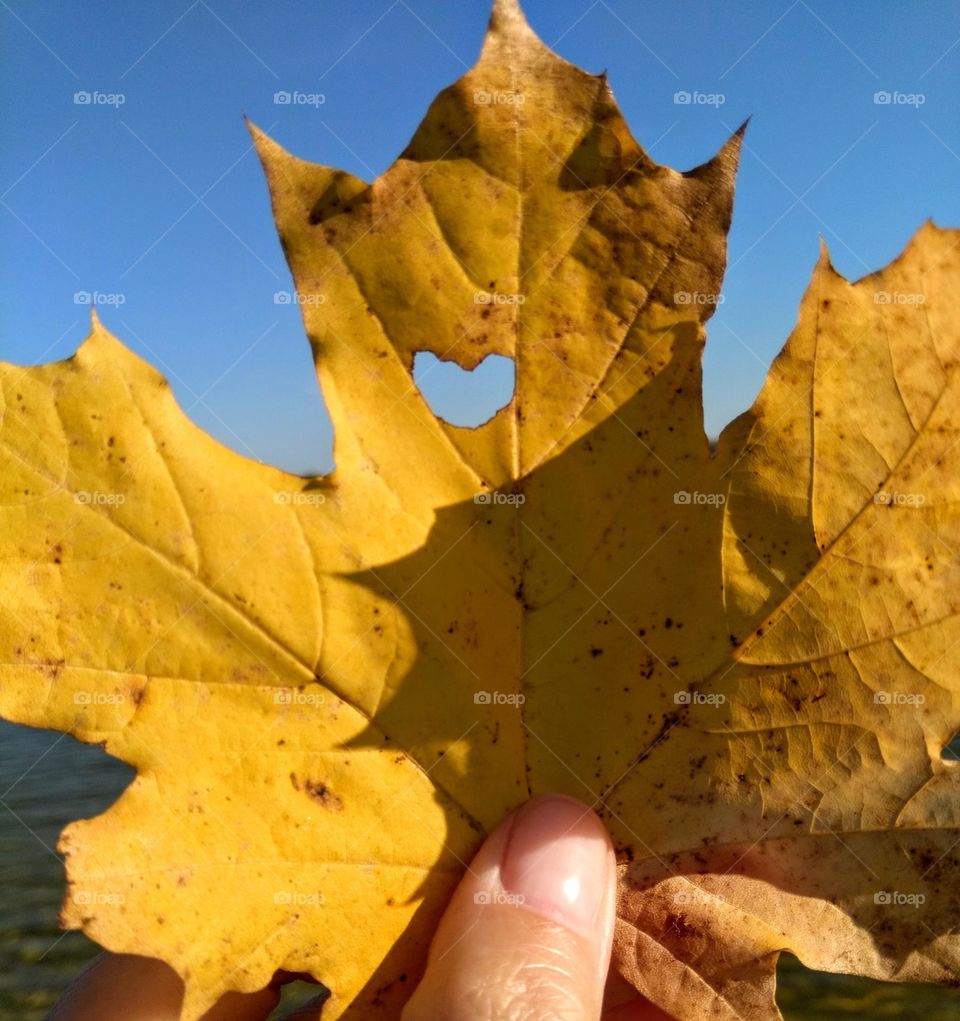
332	688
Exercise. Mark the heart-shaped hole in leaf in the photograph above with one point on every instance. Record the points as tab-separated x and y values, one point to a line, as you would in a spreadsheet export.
461	396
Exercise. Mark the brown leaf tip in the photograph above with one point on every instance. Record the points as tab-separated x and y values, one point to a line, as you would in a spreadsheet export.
508	24
824	262
507	15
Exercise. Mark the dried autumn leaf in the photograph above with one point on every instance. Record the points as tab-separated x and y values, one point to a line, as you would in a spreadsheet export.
748	661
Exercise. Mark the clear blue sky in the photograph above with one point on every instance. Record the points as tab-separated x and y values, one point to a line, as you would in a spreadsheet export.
161	201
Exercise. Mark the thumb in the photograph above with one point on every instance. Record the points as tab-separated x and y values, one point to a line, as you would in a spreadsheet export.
528	932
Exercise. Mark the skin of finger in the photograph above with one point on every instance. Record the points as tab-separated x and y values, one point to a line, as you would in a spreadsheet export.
470	976
625	1010
125	987
482	876
548	965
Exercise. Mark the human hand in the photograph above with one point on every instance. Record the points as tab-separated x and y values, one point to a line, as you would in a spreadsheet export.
526	936
528	933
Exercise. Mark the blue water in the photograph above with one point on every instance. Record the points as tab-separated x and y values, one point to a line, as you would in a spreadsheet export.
48	779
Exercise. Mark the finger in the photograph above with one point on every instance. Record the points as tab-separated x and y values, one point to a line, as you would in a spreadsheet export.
529	930
124	987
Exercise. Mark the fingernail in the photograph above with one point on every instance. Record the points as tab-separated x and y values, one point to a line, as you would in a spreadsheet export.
555	861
